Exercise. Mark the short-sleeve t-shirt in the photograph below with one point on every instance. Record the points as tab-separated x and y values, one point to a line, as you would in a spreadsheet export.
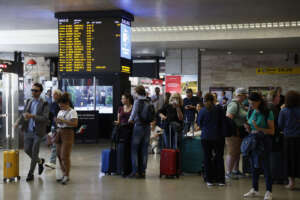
239	116
66	115
259	118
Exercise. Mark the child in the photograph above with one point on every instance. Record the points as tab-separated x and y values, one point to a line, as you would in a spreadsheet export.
154	138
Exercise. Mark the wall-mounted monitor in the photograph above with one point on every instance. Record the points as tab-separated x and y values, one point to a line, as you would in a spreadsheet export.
82	97
104	99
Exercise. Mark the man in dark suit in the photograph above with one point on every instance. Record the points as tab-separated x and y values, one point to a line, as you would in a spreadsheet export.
33	122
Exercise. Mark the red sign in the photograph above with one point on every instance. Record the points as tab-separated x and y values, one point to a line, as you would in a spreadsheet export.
157	82
3	66
173	84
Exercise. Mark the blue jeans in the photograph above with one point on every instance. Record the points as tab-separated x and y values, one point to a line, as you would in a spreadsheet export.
139	146
172	136
53	154
266	166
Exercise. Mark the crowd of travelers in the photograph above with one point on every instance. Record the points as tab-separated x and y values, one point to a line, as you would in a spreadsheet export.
253	125
270	122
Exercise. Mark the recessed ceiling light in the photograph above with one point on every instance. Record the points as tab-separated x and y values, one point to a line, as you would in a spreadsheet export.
261	52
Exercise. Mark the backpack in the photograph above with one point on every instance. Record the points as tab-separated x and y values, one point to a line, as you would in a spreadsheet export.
146	112
228	125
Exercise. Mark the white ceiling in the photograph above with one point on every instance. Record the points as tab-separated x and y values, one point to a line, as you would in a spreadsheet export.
39	14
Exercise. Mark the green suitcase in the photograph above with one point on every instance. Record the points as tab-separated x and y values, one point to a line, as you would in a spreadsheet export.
191	154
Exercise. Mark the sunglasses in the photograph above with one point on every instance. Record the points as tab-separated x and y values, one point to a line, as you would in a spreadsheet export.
34	90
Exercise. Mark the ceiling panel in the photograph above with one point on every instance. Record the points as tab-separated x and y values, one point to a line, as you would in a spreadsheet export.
35	14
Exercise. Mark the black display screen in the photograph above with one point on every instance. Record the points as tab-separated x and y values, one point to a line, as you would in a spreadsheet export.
89	46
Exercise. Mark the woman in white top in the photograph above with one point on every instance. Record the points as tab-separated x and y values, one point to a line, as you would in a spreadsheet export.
66	120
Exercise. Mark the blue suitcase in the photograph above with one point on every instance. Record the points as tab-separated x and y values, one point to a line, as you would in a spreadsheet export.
191	155
109	159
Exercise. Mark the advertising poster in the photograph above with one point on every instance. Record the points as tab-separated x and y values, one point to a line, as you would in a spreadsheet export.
189	81
173	84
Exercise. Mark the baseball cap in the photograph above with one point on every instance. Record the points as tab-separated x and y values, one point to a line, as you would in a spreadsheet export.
240	91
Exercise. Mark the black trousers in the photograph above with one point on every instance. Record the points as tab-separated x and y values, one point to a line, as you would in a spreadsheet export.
214	170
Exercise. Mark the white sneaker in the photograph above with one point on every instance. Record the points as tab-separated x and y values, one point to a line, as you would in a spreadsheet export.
268	196
50	165
65	180
209	184
252	193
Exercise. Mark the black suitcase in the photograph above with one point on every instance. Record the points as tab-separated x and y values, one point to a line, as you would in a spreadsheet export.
124	158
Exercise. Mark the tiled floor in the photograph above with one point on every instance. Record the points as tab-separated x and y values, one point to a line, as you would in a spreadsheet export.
88	183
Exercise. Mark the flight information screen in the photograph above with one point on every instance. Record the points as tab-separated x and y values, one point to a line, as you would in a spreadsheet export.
87	45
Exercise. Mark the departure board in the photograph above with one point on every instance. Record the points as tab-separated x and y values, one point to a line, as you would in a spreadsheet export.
91	46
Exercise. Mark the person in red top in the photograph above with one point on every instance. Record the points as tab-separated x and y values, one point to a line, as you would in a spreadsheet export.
124	135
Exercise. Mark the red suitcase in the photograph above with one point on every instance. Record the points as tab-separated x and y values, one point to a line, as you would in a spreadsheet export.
169	161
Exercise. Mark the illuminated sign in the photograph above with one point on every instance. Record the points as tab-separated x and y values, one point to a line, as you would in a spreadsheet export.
277	70
125	41
3	66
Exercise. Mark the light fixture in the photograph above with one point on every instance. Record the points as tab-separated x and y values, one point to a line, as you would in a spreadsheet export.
219	27
261	52
229	52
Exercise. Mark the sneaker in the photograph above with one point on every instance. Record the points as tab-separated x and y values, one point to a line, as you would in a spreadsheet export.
238	174
209	184
251	193
231	176
59	179
221	184
30	177
65	180
50	165
268	196
41	166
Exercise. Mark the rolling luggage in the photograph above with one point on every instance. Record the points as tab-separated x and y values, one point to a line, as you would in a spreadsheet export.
191	155
11	165
109	159
124	158
170	161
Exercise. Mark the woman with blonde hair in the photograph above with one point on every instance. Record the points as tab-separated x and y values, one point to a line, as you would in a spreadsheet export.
172	113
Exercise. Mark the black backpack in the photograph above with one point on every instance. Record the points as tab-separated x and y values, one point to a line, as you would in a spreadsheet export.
146	112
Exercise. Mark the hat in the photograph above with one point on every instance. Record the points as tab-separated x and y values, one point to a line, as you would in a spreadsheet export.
254	96
240	91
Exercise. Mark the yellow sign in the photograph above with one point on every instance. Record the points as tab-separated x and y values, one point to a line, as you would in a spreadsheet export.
126	69
277	70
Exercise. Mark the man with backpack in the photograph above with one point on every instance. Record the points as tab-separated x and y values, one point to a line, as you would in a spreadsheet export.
142	115
237	113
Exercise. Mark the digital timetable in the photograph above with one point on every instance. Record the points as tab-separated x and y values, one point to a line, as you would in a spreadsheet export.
91	46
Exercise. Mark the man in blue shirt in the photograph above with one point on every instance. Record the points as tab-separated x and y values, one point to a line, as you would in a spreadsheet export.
34	121
189	104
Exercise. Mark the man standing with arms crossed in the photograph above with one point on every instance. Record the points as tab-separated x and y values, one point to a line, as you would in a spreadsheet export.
34	121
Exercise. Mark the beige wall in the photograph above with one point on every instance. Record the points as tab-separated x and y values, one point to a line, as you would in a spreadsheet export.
240	71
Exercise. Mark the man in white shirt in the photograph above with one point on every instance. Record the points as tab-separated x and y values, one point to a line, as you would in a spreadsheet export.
157	100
